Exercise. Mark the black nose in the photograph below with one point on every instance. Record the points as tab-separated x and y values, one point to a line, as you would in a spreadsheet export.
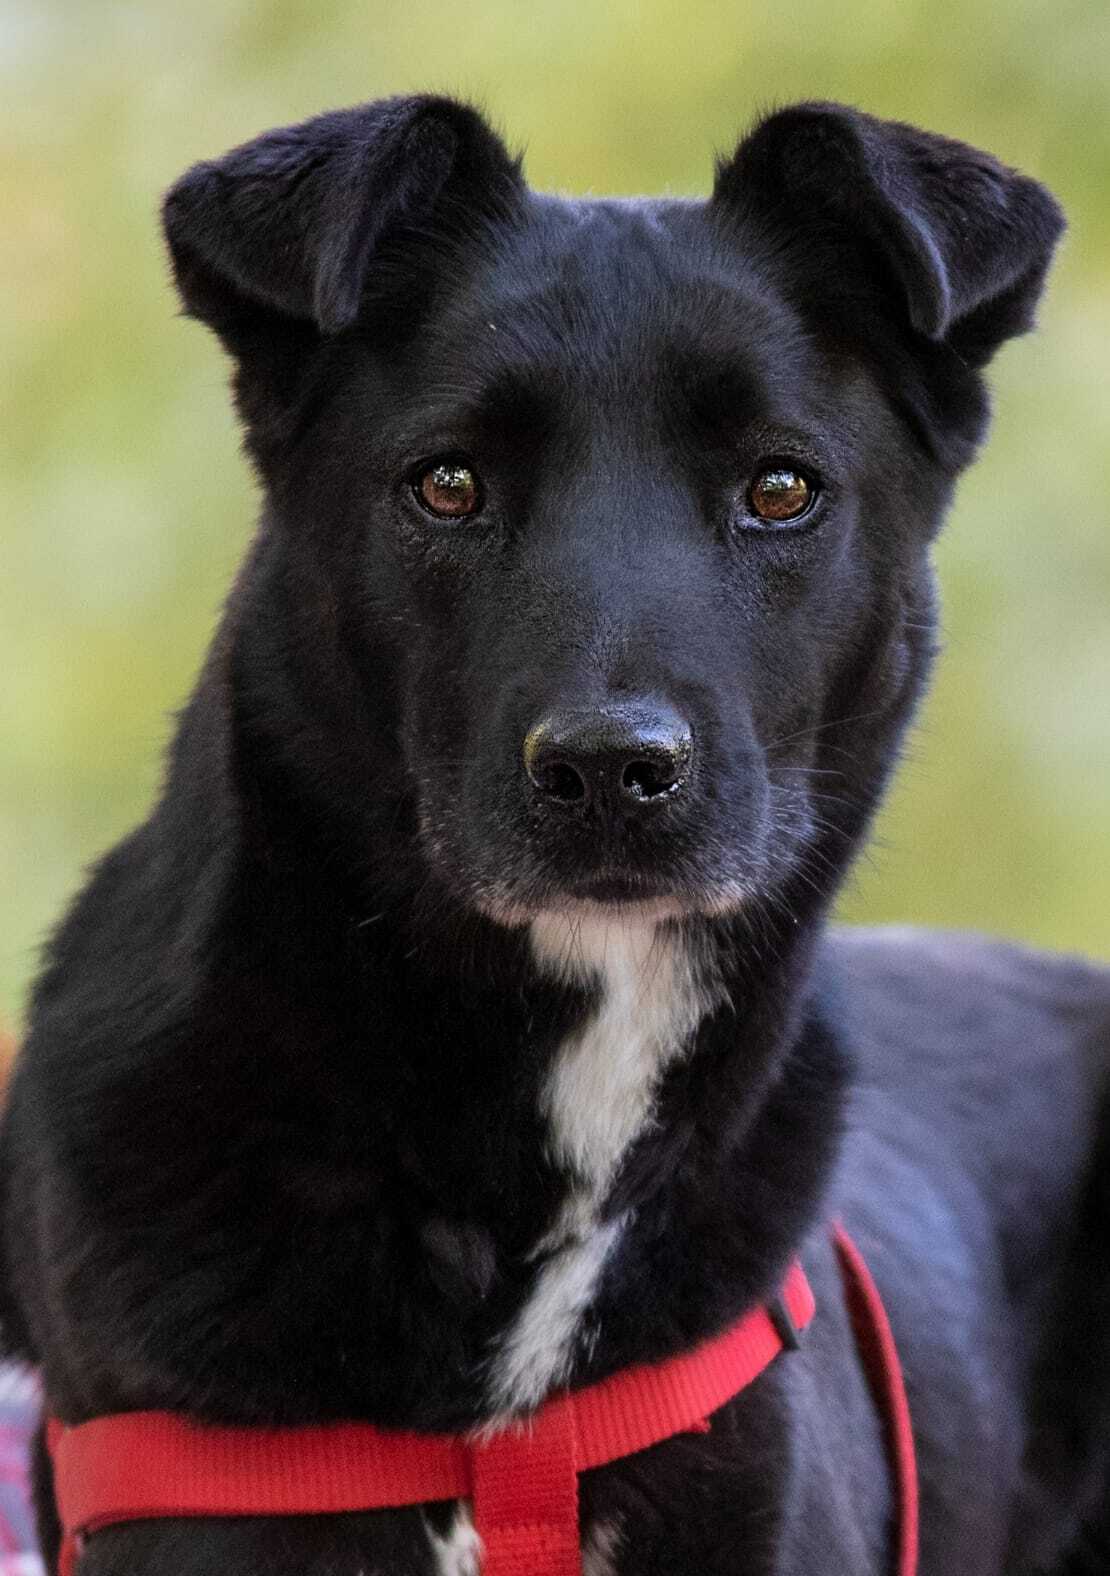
629	756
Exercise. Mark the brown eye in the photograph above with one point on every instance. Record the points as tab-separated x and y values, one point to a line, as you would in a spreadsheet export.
449	489
780	493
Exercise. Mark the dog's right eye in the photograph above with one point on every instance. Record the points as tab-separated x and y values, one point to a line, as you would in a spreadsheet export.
780	494
448	489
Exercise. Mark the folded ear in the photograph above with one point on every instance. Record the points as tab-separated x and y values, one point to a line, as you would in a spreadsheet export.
290	222
964	241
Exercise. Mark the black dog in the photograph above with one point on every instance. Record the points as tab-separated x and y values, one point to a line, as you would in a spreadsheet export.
463	1023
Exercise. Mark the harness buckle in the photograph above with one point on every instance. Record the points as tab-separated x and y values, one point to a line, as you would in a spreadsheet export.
783	1321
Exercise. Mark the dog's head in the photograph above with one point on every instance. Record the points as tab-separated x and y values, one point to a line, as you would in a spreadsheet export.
615	514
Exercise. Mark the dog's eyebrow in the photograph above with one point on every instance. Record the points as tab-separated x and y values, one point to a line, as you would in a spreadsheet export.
516	404
516	399
713	391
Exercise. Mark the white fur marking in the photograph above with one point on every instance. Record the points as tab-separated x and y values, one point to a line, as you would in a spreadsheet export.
460	1552
599	1557
602	1083
538	1349
597	1100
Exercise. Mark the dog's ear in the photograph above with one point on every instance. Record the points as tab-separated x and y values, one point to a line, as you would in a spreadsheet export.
962	242
288	225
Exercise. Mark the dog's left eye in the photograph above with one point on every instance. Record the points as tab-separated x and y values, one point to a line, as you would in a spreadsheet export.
448	489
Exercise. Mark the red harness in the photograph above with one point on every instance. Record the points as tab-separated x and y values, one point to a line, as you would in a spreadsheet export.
523	1482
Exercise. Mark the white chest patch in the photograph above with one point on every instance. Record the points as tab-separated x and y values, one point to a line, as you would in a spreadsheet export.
597	1101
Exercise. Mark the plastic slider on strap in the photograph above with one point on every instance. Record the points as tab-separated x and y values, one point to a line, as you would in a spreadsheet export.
789	1333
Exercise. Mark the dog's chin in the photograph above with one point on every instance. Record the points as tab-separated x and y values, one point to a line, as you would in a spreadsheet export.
611	898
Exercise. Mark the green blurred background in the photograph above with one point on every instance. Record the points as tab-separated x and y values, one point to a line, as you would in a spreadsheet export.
125	504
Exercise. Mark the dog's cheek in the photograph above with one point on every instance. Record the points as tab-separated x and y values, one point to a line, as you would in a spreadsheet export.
444	754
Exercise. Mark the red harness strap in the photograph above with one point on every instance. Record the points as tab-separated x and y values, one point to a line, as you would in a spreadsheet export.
523	1482
880	1356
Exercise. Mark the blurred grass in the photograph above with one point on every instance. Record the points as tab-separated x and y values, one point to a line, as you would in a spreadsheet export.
124	504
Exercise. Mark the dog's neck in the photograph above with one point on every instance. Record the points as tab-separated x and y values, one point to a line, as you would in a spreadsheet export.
578	1127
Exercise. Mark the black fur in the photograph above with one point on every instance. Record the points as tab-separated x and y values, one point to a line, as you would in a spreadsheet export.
275	1149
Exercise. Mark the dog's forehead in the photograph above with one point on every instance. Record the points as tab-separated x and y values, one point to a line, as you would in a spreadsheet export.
589	290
